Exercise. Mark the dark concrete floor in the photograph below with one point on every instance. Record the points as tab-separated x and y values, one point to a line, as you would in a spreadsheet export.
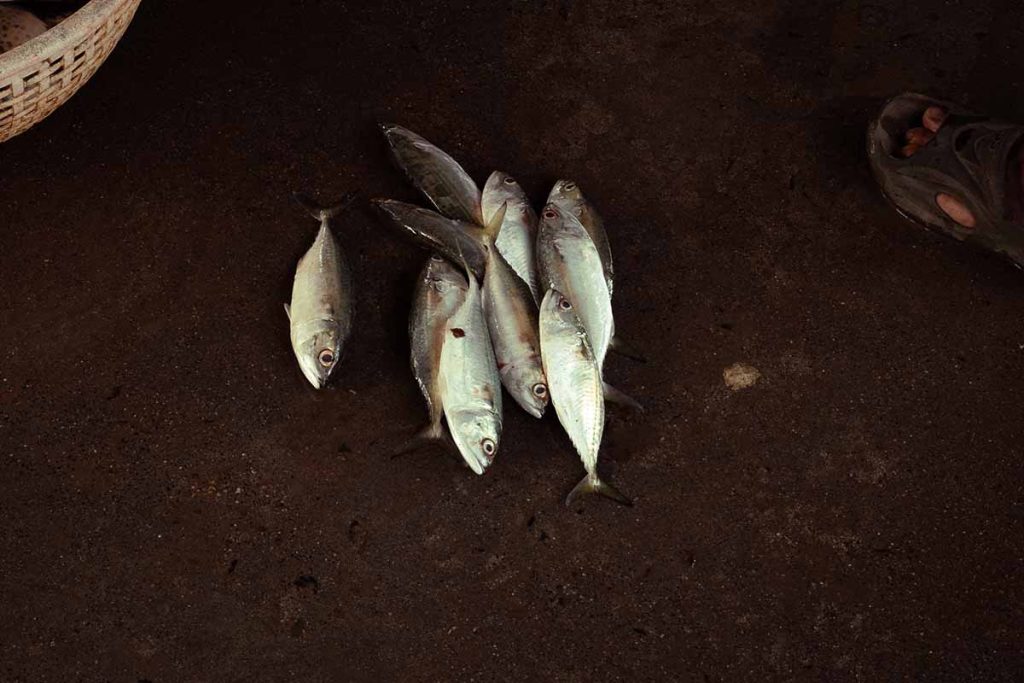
178	505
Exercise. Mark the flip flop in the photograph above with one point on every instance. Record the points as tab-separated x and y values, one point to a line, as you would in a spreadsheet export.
971	158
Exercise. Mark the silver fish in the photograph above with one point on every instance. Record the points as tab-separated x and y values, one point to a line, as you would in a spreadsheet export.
440	292
320	314
435	174
512	321
568	261
519	230
574	378
453	238
469	382
566	195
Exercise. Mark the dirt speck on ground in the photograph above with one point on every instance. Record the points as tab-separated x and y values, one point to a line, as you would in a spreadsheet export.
740	376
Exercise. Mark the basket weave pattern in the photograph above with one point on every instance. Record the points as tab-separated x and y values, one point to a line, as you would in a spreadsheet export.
39	76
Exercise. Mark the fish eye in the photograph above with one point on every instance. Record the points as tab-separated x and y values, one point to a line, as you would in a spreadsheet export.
540	390
509	180
550	213
326	358
488	446
564	304
570	185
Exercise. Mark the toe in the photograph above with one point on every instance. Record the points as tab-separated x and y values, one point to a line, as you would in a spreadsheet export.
955	209
908	150
920	136
933	118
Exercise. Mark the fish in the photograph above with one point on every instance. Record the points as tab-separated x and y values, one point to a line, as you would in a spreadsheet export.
567	196
452	238
470	387
440	292
569	262
511	314
509	307
320	314
519	230
577	391
435	174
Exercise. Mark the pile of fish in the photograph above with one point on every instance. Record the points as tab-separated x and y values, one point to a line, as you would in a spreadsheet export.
505	299
540	323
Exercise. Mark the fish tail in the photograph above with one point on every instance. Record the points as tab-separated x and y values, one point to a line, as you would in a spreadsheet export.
493	227
323	213
613	395
624	348
591	483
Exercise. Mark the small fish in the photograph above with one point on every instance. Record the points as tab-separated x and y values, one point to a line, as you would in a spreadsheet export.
519	230
440	292
321	309
435	174
512	321
577	392
453	238
469	382
566	195
569	262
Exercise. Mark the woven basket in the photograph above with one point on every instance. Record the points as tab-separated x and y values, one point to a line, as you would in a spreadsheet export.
40	75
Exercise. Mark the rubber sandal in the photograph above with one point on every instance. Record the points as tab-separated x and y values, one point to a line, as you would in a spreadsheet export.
972	158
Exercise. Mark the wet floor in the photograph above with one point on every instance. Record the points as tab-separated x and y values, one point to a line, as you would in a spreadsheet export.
178	505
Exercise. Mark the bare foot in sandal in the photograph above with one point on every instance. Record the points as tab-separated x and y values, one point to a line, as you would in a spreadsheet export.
951	170
916	138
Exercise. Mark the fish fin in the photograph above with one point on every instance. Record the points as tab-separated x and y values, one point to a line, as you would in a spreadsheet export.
624	348
440	233
431	435
470	276
592	484
493	227
322	213
288	312
613	395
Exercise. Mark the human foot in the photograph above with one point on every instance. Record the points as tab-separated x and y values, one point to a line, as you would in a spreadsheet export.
916	138
952	171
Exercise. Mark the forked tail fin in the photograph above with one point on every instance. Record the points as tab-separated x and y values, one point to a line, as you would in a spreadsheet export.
592	484
323	213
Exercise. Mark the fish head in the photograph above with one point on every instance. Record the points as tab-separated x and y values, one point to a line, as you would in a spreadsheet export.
319	353
501	183
502	188
528	386
557	311
551	216
566	193
476	434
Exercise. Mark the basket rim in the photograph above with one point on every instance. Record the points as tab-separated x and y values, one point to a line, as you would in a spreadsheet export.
59	38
